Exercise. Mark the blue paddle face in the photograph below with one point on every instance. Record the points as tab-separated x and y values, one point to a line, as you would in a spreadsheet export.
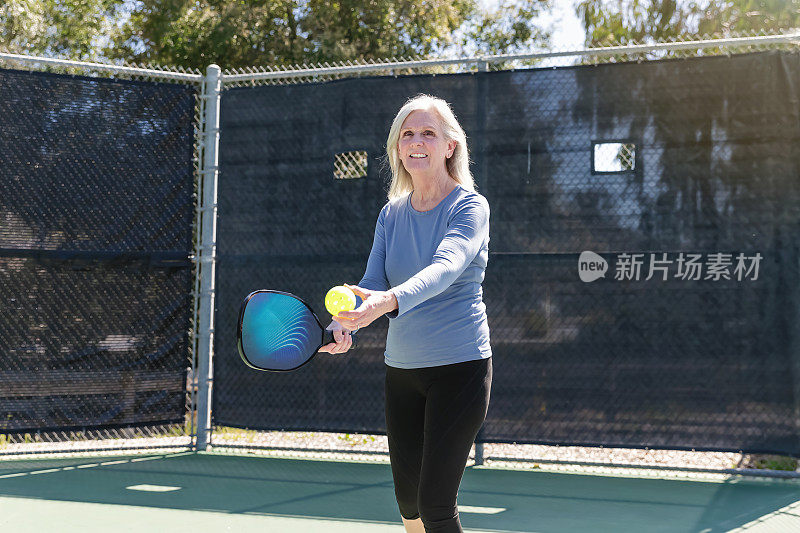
277	331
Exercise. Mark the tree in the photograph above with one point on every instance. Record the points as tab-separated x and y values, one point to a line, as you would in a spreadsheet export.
771	16
353	29
639	21
70	29
240	33
606	23
508	29
196	33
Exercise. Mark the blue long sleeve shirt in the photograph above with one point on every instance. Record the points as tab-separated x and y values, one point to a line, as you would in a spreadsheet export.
434	263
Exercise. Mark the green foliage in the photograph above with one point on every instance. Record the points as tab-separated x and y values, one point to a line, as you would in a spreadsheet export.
350	29
257	32
509	29
771	16
69	29
241	33
609	23
195	34
777	463
615	22
769	462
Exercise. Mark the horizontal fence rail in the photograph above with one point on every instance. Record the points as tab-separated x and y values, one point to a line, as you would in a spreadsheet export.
791	38
155	73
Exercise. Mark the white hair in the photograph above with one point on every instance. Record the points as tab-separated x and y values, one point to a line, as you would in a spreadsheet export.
457	165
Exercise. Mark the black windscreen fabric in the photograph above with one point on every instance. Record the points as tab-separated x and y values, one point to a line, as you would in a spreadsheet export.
96	216
669	358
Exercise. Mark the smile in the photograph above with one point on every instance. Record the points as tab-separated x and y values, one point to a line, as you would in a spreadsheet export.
418	156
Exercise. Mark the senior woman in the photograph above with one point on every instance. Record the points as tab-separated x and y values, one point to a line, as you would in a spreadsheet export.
424	272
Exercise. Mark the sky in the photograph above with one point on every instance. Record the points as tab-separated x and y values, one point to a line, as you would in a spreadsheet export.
567	30
568	33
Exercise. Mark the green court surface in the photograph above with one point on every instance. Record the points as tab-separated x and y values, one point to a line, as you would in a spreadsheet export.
199	492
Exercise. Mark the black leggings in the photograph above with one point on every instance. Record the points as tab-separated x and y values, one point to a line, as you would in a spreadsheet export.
432	417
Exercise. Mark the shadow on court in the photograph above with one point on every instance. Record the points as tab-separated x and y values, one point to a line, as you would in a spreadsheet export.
330	496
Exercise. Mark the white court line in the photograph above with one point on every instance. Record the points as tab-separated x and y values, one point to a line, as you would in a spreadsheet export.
47	471
14	475
153	488
480	510
88	465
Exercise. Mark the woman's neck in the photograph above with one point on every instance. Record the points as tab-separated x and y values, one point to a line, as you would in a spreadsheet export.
428	193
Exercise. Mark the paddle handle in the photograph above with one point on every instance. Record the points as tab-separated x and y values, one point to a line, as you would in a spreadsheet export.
327	338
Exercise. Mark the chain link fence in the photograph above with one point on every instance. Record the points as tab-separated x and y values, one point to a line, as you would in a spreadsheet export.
541	222
97	207
628	150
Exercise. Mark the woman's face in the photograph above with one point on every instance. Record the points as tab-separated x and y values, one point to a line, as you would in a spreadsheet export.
422	146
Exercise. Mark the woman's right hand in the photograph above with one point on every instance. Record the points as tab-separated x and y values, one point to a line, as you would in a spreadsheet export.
342	338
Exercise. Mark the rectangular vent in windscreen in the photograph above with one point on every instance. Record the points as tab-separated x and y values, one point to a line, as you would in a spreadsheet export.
350	165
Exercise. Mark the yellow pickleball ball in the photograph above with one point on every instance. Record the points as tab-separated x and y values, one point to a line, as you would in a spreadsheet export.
339	299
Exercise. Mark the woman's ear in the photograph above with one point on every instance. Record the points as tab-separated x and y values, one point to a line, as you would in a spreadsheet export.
451	145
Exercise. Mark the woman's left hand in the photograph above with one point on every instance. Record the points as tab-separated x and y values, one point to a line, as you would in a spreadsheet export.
374	305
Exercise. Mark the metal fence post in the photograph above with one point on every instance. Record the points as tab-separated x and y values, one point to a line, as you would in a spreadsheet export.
479	451
206	260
